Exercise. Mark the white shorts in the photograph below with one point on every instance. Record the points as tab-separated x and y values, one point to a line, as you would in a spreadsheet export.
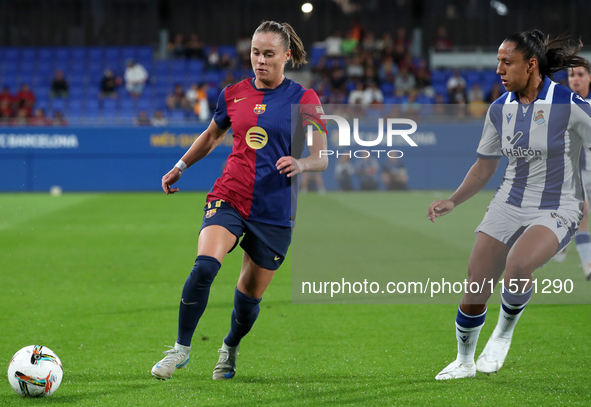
506	222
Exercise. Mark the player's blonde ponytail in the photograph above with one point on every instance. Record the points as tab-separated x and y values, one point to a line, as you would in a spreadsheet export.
289	39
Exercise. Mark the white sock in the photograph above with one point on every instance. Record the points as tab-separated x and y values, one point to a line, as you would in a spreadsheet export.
468	329
583	243
512	306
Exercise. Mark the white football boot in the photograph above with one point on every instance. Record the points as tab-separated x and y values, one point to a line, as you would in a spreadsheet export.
226	366
457	370
176	358
493	356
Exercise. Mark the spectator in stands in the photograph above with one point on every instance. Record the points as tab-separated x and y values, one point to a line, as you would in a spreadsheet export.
143	119
495	93
25	99
337	86
356	95
372	94
228	80
5	110
456	88
226	62
21	118
333	45
176	48
354	68
344	172
386	41
312	181
423	78
367	172
404	82
475	94
394	174
177	99
243	48
213	59
59	86
39	119
135	78
369	43
6	95
59	119
410	106
109	84
388	70
441	41
401	40
195	48
159	120
197	97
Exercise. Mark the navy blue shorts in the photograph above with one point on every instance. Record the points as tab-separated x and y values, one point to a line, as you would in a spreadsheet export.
265	244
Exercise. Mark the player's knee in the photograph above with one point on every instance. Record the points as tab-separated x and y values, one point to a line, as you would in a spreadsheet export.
204	272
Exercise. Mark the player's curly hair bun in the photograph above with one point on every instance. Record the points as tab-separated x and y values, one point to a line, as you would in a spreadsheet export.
553	55
289	39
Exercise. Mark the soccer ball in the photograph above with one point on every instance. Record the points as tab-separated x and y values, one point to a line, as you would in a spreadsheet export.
35	371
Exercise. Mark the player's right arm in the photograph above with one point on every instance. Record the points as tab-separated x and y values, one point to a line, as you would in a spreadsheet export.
489	155
476	179
205	143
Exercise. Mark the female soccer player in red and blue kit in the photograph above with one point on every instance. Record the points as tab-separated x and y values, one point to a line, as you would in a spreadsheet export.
256	194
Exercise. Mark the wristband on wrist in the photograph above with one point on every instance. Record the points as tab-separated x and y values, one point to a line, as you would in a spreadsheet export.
181	166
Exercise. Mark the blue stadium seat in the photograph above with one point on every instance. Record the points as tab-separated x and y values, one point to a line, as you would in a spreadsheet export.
129	53
95	55
195	66
59	104
62	55
227	49
316	54
45	56
78	55
145	53
387	88
11	54
28	54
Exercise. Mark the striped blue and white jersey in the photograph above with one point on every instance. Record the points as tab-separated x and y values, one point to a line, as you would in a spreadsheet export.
586	153
543	142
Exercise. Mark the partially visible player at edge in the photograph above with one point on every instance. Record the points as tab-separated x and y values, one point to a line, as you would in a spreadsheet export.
540	126
256	194
579	80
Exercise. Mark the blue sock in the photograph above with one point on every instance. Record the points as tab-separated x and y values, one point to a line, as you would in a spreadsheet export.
245	312
195	295
583	242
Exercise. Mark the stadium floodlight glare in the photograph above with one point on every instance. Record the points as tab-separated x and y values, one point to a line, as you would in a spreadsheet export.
499	7
307	8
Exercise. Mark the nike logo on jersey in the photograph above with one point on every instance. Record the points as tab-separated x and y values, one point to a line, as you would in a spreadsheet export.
277	258
187	303
238	100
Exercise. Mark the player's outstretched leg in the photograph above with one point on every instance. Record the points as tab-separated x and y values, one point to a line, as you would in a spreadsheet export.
245	312
467	331
193	302
493	356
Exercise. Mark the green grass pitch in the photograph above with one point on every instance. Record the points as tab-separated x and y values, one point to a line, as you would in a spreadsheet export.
97	278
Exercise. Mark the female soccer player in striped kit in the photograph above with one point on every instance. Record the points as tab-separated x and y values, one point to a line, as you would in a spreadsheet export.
579	80
540	127
255	196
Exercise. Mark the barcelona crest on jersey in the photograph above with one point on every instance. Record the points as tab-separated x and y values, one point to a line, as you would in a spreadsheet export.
260	109
210	213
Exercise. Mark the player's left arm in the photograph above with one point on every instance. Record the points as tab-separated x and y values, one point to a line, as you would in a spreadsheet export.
314	162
